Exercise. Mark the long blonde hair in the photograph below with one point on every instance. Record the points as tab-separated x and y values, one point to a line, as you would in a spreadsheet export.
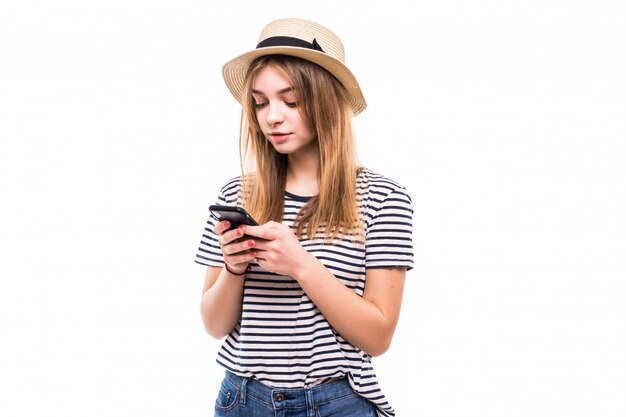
324	105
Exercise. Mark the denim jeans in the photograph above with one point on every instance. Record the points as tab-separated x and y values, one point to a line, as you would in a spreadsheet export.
245	397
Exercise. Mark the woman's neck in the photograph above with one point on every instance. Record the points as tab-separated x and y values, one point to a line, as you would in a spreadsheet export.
302	176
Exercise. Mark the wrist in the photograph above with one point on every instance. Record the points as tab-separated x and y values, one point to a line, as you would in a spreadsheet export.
308	268
236	273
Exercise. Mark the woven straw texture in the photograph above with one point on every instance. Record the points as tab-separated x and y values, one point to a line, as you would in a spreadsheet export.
332	59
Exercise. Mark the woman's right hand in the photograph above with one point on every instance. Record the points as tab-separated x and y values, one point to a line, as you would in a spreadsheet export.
237	253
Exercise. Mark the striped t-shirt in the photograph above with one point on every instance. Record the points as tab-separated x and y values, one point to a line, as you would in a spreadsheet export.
282	339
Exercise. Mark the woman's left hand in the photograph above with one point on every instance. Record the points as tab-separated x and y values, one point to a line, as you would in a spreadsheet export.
278	249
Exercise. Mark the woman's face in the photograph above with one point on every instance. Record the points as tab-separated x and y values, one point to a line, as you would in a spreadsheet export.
278	115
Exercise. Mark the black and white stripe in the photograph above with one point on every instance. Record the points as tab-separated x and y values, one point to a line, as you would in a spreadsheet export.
282	338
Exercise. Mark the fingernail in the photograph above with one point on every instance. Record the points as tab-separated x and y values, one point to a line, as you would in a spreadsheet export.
251	243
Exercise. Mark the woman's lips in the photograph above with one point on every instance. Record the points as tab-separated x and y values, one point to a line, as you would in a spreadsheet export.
279	137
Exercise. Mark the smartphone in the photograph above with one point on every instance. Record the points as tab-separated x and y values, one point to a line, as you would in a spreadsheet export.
235	215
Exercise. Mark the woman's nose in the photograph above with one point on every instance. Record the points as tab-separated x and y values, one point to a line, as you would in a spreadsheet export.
274	113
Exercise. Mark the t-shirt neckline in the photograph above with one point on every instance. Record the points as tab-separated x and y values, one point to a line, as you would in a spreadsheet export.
297	197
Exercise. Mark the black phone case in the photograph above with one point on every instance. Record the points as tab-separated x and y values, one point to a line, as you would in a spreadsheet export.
235	215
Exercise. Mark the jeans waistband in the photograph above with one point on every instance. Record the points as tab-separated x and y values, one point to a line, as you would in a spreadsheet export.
291	397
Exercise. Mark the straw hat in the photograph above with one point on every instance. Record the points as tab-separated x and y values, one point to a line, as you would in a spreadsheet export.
300	38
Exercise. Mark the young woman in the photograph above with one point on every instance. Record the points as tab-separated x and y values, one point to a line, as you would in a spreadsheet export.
306	298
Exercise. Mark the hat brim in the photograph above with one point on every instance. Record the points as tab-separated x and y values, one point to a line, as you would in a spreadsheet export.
235	70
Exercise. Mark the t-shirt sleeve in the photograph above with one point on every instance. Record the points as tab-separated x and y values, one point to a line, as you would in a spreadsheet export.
389	242
209	252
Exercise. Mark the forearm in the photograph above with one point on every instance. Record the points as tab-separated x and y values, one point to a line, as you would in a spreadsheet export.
220	305
358	320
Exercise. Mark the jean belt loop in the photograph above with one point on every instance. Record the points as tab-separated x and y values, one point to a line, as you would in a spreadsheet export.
310	403
242	396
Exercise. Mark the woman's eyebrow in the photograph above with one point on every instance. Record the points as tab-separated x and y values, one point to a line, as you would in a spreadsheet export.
283	91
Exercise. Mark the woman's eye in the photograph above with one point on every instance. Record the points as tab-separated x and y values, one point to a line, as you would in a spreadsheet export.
291	104
260	105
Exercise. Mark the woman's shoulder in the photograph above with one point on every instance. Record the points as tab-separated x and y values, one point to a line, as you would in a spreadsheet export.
381	197
229	191
232	182
378	183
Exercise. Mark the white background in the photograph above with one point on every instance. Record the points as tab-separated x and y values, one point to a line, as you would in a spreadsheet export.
504	119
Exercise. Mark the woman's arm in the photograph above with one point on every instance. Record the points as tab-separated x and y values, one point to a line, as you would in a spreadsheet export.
222	292
367	322
220	305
